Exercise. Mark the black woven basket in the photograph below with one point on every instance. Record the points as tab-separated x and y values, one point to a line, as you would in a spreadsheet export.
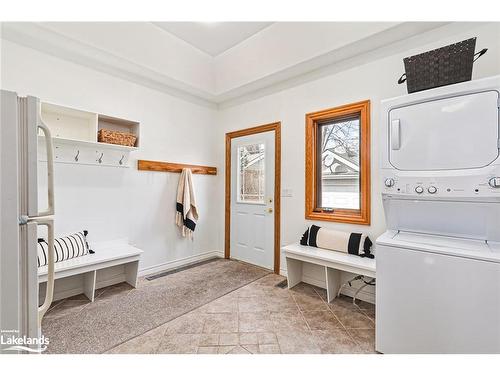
440	67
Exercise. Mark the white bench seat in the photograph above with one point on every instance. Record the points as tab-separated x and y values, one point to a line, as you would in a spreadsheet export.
106	255
332	261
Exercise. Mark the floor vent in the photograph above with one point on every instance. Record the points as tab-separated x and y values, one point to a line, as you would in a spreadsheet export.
283	284
175	270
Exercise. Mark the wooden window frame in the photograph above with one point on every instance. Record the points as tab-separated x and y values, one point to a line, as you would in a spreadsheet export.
313	120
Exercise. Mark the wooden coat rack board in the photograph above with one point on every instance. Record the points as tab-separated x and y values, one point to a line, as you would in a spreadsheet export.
160	166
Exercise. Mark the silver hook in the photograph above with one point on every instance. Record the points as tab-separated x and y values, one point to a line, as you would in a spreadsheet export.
77	154
121	160
100	158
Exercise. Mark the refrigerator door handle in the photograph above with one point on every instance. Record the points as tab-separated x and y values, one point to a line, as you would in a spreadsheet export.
49	294
50	169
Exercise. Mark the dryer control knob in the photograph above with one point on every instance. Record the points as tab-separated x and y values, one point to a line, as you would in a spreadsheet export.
419	190
432	189
389	182
494	182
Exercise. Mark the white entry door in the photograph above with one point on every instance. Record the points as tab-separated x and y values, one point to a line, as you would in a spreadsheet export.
252	199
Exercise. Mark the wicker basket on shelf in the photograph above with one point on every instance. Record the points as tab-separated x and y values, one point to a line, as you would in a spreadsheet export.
440	67
116	137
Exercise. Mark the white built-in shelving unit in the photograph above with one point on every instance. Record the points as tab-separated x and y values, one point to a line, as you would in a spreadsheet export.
74	135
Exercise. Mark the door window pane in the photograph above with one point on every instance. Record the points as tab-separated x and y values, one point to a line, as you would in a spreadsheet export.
251	176
338	162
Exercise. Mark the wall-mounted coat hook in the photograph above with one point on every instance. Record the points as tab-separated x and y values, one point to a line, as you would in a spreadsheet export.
77	154
159	166
100	158
121	160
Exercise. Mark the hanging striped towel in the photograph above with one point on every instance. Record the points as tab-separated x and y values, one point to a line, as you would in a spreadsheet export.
187	211
351	243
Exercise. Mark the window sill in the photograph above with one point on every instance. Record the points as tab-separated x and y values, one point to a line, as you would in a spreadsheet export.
347	218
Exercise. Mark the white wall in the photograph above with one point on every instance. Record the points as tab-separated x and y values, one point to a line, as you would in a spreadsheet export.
116	203
375	81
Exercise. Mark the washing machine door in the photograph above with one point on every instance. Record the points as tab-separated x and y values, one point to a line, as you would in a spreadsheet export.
434	303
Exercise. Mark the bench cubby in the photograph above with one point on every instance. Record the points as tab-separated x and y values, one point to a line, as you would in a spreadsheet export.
112	263
333	262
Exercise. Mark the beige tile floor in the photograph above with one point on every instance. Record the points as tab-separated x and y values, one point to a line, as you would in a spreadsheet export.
262	318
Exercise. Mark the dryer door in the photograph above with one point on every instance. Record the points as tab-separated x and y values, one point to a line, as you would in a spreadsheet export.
458	132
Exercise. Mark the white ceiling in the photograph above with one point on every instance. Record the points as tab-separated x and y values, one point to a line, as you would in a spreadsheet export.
213	37
280	54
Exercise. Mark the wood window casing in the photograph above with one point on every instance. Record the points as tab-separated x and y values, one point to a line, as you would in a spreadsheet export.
313	121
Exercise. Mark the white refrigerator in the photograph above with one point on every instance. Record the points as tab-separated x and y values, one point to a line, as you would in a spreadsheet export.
20	313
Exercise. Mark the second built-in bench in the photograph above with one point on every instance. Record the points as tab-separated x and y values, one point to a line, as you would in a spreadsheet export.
333	262
112	263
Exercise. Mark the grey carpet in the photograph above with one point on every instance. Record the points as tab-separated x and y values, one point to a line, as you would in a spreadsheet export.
105	323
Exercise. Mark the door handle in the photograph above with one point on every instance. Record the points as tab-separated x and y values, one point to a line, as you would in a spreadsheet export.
50	169
269	210
395	134
49	293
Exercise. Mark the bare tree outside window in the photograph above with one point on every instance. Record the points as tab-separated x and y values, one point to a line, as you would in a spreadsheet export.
338	151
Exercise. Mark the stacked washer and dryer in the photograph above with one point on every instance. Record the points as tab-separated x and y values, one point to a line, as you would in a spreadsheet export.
438	263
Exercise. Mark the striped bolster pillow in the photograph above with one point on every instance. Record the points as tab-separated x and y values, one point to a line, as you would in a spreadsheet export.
352	243
67	247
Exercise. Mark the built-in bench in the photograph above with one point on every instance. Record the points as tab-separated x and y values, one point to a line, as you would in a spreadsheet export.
333	262
112	263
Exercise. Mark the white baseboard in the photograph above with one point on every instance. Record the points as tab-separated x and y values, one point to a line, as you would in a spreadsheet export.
167	266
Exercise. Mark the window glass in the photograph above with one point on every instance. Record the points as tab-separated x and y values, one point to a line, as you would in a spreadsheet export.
251	176
338	162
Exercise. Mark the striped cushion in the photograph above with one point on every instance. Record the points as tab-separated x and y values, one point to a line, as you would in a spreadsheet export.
67	247
351	243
